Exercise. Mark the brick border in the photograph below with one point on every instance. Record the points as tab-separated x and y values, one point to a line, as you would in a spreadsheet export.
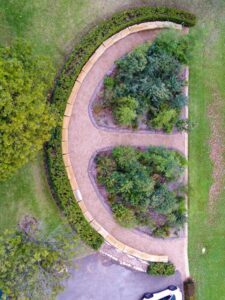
65	149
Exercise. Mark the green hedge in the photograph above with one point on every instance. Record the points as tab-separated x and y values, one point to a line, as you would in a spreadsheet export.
57	175
161	269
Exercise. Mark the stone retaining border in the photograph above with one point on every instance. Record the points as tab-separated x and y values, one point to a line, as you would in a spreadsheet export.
66	156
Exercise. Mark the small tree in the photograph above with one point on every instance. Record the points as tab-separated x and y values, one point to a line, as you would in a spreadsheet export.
165	120
33	267
25	115
125	110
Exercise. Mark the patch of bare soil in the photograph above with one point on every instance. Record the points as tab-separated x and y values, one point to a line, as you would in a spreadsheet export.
216	142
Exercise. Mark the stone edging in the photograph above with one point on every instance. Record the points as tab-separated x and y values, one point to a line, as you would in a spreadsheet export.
65	149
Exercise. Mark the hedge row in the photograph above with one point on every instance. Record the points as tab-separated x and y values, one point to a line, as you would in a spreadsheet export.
58	178
161	269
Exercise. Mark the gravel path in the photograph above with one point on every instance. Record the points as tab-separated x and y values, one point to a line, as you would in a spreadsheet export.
85	139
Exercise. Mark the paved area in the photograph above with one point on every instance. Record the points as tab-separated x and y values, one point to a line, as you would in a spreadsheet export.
85	139
98	278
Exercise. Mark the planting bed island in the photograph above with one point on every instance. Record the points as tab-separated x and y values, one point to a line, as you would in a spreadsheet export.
82	140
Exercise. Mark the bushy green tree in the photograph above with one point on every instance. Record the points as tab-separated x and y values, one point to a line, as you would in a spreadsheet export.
125	110
33	267
25	116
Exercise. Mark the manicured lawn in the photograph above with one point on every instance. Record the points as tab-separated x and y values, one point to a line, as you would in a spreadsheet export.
206	223
28	193
53	27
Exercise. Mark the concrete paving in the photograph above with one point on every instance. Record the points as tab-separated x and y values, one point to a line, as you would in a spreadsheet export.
97	277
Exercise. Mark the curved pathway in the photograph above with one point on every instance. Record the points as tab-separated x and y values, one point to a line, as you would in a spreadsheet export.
84	139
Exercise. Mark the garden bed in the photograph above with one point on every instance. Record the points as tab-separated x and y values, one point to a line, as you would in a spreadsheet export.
144	90
60	185
132	183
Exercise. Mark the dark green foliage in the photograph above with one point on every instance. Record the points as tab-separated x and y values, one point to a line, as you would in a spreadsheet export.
176	44
33	266
26	117
152	75
57	176
163	200
170	164
161	269
124	215
133	63
138	181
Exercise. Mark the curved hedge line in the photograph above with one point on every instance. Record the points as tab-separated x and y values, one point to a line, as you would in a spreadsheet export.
59	182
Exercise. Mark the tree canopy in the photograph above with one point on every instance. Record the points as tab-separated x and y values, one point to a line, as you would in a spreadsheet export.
32	266
26	117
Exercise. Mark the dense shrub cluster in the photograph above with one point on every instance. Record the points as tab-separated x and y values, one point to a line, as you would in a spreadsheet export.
57	175
160	268
150	76
140	186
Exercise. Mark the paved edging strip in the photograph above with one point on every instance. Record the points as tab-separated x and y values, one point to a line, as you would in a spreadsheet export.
65	149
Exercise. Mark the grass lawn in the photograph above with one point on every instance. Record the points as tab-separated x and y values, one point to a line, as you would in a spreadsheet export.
207	222
28	193
53	26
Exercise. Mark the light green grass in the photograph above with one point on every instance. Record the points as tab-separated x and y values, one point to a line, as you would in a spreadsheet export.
207	74
28	193
53	26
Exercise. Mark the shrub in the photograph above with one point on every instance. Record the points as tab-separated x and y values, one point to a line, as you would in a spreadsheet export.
134	62
108	82
124	215
189	289
162	231
165	119
153	77
60	185
129	176
184	125
125	110
108	89
160	268
163	200
174	43
124	115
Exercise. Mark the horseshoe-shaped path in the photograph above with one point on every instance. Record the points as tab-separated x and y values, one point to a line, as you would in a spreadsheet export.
84	139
